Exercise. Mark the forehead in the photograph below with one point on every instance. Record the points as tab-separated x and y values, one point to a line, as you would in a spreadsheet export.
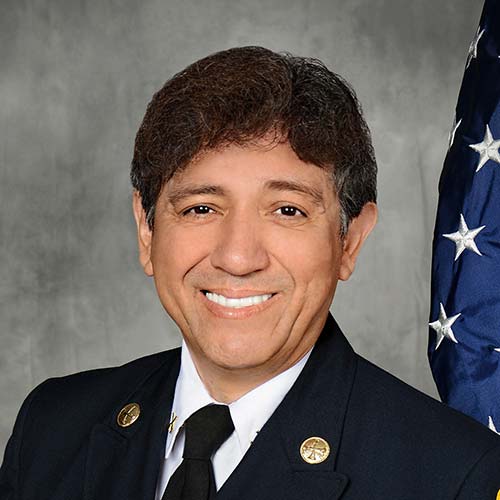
256	165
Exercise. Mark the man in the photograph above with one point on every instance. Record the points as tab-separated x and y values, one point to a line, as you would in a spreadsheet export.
254	182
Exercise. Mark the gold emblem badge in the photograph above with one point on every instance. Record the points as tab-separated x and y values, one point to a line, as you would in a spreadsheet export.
498	495
314	450
128	414
171	425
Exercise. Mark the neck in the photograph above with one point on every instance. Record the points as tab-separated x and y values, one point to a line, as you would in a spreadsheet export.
227	385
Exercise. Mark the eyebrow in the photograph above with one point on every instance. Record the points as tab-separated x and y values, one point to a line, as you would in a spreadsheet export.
179	193
298	187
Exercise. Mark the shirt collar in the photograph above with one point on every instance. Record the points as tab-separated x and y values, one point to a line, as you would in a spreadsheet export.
249	413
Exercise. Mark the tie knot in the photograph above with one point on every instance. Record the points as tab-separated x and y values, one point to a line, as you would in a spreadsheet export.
206	430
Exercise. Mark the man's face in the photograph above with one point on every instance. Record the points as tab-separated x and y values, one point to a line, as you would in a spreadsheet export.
246	255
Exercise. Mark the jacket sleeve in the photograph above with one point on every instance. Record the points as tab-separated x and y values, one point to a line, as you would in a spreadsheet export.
9	470
483	480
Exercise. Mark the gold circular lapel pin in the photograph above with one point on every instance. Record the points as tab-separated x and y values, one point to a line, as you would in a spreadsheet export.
314	450
498	495
128	414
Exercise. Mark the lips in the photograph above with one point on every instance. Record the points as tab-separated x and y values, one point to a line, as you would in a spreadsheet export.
229	303
237	302
236	294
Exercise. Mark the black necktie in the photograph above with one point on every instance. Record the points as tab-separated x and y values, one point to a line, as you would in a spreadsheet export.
205	431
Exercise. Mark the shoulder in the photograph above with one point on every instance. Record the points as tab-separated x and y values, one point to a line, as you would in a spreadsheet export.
406	426
132	370
57	416
406	405
76	402
99	386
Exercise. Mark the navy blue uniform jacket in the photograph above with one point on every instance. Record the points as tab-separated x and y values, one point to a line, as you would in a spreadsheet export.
388	441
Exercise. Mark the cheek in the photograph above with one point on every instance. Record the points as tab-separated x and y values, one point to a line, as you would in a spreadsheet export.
311	257
173	253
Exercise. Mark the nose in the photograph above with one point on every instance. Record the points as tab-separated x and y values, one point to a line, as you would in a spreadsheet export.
240	247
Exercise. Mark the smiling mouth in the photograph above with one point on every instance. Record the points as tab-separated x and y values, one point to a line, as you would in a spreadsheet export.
236	303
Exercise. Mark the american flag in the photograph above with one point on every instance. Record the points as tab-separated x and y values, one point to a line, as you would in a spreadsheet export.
464	342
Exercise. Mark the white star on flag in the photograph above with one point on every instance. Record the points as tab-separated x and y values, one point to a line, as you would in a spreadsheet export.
473	46
487	149
442	326
453	131
497	349
491	425
464	238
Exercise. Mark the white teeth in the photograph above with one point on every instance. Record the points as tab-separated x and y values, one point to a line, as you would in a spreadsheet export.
236	303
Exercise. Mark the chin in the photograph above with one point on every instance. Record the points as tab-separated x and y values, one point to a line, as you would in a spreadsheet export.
239	354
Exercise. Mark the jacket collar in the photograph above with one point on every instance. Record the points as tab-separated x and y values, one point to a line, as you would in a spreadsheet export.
315	406
124	462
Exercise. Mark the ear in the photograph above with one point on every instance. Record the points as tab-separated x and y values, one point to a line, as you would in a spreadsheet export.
359	229
144	234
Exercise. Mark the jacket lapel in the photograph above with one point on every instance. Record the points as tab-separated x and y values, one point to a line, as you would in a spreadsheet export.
123	462
273	467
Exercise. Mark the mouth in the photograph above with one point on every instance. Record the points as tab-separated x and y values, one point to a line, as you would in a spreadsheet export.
237	302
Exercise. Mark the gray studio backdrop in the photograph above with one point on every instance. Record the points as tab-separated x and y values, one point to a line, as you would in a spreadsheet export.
75	80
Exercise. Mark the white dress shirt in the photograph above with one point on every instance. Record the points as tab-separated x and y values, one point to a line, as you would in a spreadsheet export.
249	414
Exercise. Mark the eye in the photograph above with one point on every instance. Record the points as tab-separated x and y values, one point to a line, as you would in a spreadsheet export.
198	210
290	212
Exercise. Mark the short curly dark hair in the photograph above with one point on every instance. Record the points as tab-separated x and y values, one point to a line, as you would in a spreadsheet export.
243	95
